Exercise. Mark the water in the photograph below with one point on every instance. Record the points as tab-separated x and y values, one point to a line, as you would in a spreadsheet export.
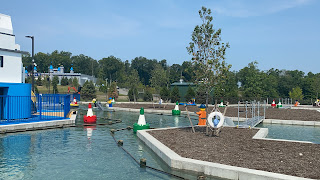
85	152
91	153
290	132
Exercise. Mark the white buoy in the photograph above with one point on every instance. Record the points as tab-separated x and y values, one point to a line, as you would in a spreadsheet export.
89	112
176	107
142	119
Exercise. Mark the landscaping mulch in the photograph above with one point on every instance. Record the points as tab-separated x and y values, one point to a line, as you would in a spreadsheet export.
236	147
271	113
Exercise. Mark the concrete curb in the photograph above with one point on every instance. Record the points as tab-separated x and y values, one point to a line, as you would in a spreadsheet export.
292	122
213	169
40	124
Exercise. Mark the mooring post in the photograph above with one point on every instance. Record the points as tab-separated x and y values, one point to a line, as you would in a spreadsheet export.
258	109
264	110
246	111
238	111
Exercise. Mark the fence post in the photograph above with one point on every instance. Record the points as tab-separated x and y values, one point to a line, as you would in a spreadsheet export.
40	106
238	112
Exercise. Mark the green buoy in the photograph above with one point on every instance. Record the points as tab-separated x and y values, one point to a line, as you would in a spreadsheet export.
141	122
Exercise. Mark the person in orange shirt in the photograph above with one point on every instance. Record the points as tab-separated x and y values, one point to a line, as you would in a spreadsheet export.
202	115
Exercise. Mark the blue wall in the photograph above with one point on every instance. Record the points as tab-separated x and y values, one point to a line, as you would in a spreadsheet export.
16	102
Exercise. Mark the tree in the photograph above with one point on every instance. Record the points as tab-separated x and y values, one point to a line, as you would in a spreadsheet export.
39	81
251	80
88	91
296	93
64	81
190	94
55	87
133	94
208	53
113	91
144	67
165	93
147	96
132	82
111	68
75	83
175	95
159	77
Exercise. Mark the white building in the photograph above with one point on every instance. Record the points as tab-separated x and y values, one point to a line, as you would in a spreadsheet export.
11	69
59	72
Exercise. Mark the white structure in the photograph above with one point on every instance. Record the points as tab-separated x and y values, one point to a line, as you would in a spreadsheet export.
59	72
11	69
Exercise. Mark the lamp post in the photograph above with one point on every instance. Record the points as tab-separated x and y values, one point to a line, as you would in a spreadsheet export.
32	71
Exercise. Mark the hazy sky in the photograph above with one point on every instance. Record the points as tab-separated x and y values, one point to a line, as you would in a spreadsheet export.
283	34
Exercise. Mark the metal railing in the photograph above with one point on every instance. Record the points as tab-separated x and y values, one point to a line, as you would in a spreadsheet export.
41	107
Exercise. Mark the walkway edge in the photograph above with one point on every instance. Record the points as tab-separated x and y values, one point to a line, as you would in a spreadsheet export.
213	169
40	124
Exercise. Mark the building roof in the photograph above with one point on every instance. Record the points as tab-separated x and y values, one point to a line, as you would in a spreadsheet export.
15	51
181	83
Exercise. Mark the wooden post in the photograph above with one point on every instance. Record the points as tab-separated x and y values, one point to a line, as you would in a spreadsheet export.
190	120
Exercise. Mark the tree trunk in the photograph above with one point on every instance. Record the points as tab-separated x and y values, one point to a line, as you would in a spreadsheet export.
207	99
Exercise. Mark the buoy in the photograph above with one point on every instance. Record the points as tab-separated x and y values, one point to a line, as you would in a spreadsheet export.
279	105
141	122
176	110
221	104
216	123
90	118
273	103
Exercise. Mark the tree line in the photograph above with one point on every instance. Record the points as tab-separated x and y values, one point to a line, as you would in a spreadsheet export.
153	75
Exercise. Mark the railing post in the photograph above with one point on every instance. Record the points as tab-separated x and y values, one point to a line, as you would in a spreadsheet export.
40	106
238	112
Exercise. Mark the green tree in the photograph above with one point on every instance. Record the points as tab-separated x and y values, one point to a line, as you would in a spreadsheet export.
147	96
55	80
251	80
159	77
201	96
55	87
39	81
113	91
88	90
175	94
165	93
132	82
64	81
111	68
75	83
133	94
208	53
296	93
190	94
144	67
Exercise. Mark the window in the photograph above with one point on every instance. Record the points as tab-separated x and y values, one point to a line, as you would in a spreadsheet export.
1	61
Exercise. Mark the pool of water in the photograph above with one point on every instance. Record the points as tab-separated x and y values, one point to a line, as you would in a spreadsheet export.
85	152
290	132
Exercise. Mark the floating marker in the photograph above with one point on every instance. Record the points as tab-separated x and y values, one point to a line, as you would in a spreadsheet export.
141	122
176	110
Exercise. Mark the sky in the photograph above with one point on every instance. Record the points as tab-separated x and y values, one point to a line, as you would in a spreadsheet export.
280	34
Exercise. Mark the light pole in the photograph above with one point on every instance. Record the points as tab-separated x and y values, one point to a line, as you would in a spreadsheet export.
32	71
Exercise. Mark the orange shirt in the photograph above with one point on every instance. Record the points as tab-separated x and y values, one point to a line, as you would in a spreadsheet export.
202	114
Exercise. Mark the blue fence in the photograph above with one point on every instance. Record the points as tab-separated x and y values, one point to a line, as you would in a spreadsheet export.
18	109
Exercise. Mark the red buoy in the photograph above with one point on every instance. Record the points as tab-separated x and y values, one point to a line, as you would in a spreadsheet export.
90	118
